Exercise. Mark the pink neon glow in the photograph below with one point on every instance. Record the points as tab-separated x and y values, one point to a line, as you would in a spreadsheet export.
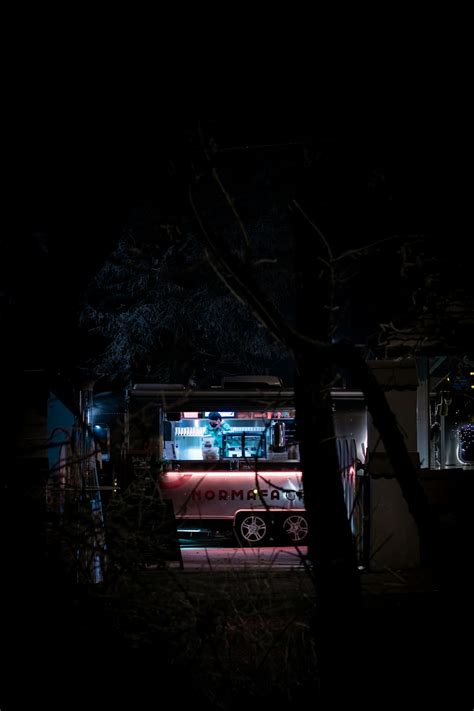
239	472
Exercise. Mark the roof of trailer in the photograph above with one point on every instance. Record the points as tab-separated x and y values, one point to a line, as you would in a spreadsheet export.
178	397
182	398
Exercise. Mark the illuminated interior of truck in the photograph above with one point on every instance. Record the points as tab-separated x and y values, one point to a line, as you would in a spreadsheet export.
248	435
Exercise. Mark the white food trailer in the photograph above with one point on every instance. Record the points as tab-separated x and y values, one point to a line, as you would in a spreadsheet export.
248	484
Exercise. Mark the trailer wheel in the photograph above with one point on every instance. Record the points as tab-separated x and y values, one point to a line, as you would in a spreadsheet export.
252	529
295	528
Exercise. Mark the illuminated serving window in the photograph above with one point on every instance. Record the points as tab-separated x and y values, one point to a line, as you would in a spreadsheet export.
227	435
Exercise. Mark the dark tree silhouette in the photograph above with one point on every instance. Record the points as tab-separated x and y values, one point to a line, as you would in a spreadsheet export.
326	267
224	235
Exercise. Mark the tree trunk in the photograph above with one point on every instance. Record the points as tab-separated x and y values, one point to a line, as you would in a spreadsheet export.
331	548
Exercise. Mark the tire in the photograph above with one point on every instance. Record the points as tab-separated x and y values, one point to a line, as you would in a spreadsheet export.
252	529
295	528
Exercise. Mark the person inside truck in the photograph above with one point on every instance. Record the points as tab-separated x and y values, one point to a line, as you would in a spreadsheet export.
216	427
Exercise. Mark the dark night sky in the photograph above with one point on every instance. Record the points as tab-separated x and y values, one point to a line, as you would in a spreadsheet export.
75	187
429	178
81	185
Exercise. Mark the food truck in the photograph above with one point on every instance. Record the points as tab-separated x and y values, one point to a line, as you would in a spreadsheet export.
246	483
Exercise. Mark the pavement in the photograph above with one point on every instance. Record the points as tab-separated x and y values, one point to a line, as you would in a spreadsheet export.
281	558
